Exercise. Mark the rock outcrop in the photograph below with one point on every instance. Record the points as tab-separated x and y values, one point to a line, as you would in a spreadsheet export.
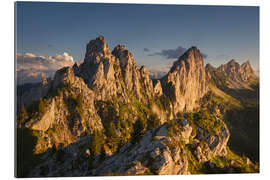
186	81
211	145
234	75
155	153
105	116
45	122
158	88
81	94
151	155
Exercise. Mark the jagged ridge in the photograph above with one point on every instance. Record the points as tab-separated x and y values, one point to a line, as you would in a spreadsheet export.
108	93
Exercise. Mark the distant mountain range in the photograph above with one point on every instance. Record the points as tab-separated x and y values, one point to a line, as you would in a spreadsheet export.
106	116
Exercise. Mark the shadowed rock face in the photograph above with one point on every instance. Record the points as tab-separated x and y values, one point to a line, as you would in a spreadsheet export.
186	81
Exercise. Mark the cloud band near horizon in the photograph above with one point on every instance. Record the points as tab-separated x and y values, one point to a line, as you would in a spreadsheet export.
173	53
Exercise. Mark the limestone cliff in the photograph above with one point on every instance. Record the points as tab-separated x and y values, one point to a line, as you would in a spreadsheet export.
186	81
105	116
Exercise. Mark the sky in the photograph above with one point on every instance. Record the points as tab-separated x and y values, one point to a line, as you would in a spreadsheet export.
155	34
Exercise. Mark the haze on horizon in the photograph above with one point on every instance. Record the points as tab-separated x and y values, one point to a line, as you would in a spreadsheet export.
155	34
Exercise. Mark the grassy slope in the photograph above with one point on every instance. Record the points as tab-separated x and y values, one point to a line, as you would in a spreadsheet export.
242	118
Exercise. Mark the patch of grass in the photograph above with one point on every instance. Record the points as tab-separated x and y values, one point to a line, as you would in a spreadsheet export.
207	121
194	166
240	163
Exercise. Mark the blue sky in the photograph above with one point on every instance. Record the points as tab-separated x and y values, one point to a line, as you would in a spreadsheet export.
220	32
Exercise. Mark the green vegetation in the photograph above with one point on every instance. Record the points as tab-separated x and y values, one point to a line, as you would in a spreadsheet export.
169	91
58	91
41	106
138	130
79	105
194	166
180	115
115	67
153	121
96	143
23	115
217	99
112	136
165	102
207	121
41	144
172	128
238	163
38	108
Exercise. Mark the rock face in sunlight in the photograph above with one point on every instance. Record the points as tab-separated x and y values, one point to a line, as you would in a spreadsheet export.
186	81
106	116
238	76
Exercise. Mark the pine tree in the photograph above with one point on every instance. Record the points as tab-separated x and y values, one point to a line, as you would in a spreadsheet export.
153	121
23	114
41	106
180	115
137	130
97	143
112	136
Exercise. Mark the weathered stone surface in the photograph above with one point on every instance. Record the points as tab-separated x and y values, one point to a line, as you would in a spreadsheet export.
158	88
45	121
232	75
186	81
215	144
110	81
185	133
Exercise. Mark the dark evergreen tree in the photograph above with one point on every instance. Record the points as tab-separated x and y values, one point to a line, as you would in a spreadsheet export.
97	143
138	129
153	121
23	115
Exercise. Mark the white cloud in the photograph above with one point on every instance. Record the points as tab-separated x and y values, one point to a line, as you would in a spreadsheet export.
31	68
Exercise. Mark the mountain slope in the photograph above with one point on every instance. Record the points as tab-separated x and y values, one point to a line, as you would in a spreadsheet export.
106	116
242	113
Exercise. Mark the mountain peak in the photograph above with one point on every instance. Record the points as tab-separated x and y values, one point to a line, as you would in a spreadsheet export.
118	50
247	63
193	51
124	56
191	56
240	75
247	69
186	80
209	66
97	47
101	38
232	62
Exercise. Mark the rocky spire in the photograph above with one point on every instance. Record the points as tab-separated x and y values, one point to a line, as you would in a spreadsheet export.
96	49
125	57
158	88
129	69
186	81
192	55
